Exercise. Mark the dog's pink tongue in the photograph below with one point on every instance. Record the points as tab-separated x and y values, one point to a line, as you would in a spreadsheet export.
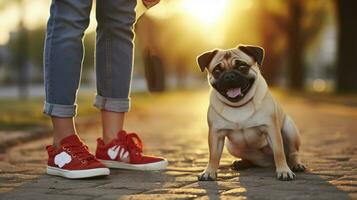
232	93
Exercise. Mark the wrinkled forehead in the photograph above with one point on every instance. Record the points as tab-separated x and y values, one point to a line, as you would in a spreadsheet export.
229	56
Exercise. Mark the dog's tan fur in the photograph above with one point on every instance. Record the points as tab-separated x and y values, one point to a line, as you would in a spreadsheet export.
256	127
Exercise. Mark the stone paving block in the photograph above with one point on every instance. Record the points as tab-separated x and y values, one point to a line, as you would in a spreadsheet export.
214	185
338	157
193	191
34	190
6	167
348	177
59	183
96	192
189	178
221	197
38	194
344	182
132	185
291	186
16	176
353	195
347	188
158	196
185	169
227	174
177	173
33	169
236	191
335	173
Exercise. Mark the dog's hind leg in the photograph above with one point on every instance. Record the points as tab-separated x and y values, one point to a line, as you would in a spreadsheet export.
250	157
291	138
240	164
258	157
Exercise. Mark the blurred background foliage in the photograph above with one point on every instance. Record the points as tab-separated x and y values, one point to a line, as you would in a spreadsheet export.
310	45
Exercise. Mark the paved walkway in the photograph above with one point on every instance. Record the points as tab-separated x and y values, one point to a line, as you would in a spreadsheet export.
174	125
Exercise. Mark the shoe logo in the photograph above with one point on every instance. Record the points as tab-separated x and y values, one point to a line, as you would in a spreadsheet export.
124	156
116	150
113	152
62	158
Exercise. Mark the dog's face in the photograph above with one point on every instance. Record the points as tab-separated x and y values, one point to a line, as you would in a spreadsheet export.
232	72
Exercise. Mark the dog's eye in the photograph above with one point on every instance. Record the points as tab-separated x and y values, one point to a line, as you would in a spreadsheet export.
217	70
241	66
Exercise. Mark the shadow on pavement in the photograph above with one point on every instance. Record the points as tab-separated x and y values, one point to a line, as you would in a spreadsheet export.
119	183
260	183
180	183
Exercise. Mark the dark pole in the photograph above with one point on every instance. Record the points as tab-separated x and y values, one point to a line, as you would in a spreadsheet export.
296	71
347	46
21	60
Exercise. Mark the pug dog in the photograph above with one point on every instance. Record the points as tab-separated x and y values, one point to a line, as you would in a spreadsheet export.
243	111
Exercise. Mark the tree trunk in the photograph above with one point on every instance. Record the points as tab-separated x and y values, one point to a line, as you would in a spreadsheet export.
296	71
347	46
21	58
269	38
154	72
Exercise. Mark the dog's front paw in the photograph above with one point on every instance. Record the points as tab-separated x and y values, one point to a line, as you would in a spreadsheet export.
285	175
207	176
298	167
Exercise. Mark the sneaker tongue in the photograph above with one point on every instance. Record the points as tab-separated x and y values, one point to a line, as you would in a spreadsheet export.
72	139
122	135
234	92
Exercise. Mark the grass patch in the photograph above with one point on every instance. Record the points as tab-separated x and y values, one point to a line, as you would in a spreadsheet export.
18	114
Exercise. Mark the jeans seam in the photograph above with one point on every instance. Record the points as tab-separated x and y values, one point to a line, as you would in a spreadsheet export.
50	109
104	102
108	67
49	59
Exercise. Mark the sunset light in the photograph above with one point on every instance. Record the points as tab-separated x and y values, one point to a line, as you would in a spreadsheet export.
206	11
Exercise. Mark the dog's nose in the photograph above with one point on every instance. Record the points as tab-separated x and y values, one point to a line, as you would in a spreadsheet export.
230	77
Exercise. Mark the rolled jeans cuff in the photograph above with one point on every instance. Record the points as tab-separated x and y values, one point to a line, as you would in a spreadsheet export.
57	110
112	104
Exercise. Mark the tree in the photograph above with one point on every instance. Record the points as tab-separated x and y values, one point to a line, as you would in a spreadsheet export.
20	47
299	25
20	60
295	44
347	46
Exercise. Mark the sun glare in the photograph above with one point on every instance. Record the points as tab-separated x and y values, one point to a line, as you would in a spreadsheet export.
206	11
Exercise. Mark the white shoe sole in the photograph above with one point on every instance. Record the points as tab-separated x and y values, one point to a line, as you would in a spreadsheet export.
140	167
76	174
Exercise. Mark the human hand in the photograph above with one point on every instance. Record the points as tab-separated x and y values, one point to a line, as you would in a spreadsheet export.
150	3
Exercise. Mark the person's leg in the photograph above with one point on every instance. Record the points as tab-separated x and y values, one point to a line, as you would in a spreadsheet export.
112	124
117	149
68	156
62	128
62	62
114	61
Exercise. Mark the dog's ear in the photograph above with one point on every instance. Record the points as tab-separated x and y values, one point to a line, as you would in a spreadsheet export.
256	52
205	58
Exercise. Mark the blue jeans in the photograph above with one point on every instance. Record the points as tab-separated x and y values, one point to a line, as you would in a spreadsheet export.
64	54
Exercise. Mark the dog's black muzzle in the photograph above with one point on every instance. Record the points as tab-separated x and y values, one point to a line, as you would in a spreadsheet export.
233	79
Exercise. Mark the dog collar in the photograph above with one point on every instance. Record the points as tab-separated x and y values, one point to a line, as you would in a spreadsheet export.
239	105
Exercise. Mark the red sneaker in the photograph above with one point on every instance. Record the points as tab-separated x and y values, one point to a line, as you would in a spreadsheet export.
125	152
73	160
